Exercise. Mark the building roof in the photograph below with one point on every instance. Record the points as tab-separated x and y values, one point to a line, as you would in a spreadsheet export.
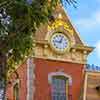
92	68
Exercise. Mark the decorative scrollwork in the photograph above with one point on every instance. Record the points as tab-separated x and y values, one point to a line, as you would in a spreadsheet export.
58	23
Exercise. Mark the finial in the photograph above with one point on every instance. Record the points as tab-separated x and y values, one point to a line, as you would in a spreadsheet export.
60	16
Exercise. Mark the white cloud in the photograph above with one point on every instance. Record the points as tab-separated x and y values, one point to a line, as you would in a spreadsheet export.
98	48
90	22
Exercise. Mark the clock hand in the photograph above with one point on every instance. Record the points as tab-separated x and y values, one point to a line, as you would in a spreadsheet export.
57	40
61	40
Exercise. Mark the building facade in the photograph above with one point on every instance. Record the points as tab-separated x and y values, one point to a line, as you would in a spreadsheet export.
55	70
92	83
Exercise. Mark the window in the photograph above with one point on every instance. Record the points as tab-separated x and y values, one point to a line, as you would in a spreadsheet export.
16	91
59	88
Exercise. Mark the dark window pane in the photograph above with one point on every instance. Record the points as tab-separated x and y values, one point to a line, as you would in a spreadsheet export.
16	91
58	88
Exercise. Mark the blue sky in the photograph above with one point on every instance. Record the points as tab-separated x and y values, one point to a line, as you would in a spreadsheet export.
86	19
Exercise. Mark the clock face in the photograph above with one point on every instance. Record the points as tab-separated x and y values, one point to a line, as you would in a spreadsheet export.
59	41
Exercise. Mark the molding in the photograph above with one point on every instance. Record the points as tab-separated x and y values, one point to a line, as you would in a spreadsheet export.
85	88
93	96
74	55
60	60
93	73
30	79
50	75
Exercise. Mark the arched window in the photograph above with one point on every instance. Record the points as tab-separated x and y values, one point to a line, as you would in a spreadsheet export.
16	91
59	83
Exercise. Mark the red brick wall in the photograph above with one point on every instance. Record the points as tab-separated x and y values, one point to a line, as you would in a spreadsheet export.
22	71
44	67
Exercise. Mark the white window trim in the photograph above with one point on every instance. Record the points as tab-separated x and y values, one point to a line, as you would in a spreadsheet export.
30	79
50	75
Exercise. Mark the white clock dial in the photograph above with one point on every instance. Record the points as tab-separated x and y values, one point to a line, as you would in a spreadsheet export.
59	41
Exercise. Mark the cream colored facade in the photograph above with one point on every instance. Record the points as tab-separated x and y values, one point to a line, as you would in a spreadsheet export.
92	80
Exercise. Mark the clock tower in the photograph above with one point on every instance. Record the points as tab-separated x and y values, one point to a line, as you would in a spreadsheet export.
55	70
60	58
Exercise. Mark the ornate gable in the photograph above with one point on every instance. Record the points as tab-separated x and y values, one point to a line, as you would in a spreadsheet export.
60	18
59	26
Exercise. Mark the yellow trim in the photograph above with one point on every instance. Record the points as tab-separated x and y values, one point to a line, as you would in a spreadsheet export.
58	23
56	49
67	89
81	47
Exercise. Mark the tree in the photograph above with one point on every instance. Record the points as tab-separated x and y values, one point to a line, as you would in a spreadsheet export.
18	22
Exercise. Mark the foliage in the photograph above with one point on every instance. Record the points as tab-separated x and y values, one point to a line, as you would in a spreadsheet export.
18	22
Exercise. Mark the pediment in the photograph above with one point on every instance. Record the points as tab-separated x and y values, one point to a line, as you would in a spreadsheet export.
60	22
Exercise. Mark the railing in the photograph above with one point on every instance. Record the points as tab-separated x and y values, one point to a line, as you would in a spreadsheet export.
92	68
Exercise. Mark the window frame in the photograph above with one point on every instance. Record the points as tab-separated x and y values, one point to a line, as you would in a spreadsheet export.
65	76
17	82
